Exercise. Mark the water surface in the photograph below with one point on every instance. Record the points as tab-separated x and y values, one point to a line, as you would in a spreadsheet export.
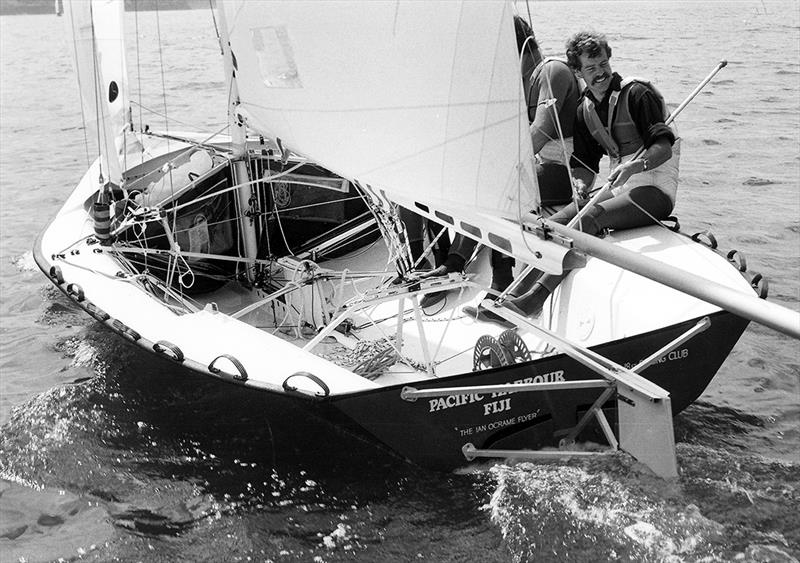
107	453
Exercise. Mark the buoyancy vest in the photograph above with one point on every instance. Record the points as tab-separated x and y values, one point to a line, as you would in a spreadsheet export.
620	139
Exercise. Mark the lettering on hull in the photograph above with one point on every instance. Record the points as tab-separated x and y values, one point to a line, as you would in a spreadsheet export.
495	407
680	354
497	424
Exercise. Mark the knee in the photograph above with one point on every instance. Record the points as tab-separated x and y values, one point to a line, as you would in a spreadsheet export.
653	199
591	222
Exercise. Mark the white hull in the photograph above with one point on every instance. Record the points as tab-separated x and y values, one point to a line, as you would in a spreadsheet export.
235	332
597	304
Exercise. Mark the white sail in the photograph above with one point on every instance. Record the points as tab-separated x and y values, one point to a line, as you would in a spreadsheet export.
421	99
99	57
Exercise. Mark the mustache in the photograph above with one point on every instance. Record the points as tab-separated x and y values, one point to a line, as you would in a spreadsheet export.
601	77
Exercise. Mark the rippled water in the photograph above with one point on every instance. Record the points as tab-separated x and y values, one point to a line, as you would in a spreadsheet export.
107	453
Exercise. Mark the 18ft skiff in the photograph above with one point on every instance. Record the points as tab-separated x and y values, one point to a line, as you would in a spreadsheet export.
273	257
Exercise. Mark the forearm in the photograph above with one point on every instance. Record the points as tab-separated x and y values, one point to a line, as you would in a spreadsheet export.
657	153
654	156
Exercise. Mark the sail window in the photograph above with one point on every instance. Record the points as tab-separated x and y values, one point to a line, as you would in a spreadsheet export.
474	231
275	57
500	242
444	217
113	91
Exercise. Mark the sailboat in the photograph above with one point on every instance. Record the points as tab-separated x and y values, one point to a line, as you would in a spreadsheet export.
272	256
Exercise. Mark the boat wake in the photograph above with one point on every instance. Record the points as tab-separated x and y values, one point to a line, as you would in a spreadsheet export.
613	512
60	312
565	513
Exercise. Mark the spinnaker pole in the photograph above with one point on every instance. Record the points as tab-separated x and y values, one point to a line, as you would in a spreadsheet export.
745	305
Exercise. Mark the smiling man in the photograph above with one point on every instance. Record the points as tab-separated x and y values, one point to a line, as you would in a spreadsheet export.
615	117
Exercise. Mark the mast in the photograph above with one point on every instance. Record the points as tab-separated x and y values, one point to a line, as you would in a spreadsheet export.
238	134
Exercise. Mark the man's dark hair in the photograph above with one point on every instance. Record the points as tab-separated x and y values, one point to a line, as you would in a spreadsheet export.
524	31
586	43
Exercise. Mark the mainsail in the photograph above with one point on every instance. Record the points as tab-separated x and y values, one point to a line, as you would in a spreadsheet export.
99	57
421	100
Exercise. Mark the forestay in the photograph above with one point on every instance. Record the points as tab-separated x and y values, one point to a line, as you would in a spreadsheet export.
421	99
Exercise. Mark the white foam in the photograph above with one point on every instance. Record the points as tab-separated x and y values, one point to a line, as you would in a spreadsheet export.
626	517
25	262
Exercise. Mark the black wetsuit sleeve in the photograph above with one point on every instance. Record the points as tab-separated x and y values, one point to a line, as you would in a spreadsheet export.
647	113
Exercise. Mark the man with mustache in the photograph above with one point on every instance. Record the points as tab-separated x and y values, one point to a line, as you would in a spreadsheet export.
615	117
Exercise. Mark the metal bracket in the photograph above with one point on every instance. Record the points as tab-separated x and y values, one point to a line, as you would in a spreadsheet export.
545	232
471	452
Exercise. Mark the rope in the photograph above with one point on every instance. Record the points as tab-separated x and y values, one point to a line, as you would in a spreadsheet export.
236	187
374	367
278	218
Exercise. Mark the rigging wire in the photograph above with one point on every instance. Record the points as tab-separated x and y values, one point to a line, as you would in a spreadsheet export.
214	19
278	218
525	95
237	186
161	70
140	106
97	98
138	64
80	87
166	120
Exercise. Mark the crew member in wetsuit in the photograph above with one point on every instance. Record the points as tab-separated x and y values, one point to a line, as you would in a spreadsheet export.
616	117
551	93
